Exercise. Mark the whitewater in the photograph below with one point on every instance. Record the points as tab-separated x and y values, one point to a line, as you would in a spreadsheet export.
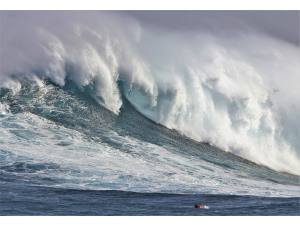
101	101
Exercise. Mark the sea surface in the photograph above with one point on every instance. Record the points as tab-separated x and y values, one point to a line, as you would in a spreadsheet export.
61	153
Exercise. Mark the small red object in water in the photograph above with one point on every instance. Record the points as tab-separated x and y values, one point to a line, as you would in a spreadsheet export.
201	206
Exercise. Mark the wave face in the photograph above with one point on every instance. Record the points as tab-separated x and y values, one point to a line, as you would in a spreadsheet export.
234	90
55	137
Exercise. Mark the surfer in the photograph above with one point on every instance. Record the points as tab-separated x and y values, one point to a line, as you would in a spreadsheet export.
201	206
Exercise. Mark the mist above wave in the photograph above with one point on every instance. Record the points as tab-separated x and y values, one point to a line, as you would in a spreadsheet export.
235	89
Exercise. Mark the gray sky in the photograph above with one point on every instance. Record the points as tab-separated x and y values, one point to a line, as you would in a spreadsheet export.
281	24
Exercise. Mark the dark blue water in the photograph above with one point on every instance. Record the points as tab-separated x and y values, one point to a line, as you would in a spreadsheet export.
20	199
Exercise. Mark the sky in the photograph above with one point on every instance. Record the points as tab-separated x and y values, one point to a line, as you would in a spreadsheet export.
281	24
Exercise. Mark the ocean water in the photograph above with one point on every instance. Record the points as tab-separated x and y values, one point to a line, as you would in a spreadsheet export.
64	154
96	119
30	200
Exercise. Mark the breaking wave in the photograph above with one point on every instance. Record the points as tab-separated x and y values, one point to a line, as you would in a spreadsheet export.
236	90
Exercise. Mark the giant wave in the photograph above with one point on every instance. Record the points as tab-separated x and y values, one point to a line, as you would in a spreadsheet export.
236	91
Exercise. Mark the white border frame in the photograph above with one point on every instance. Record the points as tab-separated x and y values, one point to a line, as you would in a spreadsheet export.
149	5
